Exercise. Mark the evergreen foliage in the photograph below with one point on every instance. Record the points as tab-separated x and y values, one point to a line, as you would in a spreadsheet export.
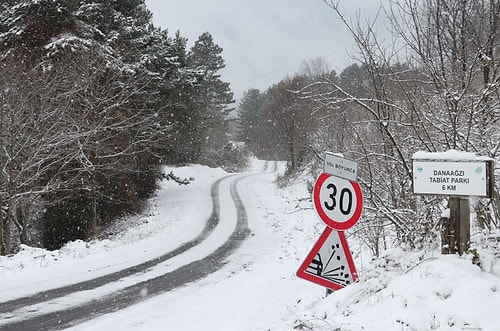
94	100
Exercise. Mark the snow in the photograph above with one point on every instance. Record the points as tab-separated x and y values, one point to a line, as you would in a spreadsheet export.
257	289
452	155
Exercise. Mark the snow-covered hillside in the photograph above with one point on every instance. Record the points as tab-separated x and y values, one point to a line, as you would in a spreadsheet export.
257	289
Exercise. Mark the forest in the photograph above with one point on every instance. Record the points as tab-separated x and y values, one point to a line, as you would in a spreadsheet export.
432	85
95	99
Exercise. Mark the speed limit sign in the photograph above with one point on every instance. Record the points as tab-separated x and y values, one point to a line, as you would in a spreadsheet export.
337	201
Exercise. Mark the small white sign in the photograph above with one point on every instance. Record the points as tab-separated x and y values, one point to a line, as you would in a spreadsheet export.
453	178
338	166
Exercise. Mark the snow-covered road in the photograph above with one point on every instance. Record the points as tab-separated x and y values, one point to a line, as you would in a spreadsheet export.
256	287
222	233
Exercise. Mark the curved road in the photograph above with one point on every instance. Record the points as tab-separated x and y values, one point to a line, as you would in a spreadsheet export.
127	296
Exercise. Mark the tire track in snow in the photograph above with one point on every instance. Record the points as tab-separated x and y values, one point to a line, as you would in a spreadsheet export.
210	225
127	296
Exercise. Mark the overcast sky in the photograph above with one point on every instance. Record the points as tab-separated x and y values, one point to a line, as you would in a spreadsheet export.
264	40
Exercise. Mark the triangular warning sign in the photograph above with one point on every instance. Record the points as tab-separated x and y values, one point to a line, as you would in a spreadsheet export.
330	262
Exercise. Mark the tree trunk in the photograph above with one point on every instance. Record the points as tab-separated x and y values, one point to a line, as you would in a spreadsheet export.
2	239
24	237
93	225
7	231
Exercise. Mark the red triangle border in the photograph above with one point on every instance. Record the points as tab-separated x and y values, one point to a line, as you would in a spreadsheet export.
301	273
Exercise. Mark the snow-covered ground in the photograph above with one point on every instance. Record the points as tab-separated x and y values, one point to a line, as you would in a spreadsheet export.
258	289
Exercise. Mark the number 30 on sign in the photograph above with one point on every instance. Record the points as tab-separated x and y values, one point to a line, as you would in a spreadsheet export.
337	201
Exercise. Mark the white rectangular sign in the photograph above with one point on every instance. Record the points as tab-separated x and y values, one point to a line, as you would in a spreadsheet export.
454	178
338	166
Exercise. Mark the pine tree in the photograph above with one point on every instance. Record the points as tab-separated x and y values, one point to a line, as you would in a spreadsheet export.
212	97
83	61
126	96
252	121
30	27
205	57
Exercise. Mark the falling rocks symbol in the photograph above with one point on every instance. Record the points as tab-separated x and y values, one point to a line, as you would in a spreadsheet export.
330	262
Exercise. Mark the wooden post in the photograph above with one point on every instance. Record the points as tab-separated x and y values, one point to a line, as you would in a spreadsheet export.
464	233
458	232
446	235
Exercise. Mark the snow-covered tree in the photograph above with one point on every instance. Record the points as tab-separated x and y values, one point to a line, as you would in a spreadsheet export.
109	98
289	121
250	111
213	96
430	89
87	92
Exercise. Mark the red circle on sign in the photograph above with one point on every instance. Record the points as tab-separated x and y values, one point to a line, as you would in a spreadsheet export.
333	210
